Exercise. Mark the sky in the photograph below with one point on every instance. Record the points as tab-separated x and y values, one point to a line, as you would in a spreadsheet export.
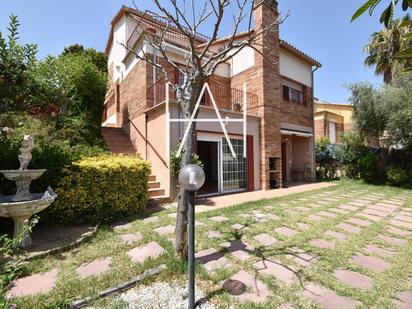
320	28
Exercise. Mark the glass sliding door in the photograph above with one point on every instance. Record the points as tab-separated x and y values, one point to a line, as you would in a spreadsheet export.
234	171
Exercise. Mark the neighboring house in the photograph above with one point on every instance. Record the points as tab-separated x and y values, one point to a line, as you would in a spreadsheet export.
332	120
280	142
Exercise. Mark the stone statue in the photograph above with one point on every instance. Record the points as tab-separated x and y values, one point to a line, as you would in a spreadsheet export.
25	152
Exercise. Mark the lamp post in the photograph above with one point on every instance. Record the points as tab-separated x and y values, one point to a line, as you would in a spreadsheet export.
191	179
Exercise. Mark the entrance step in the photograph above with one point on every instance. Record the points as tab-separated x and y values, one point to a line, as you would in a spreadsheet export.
117	141
153	193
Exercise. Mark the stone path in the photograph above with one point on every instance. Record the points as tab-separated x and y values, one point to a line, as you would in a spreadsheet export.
150	250
94	268
32	285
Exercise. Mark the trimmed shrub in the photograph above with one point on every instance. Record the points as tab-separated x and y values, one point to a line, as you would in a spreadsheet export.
368	166
100	189
397	176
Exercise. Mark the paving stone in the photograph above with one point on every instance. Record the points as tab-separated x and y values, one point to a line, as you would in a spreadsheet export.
359	222
404	300
120	225
348	207
336	235
214	234
32	285
142	253
266	240
349	228
286	306
403	224
370	217
268	207
285	231
94	268
326	214
315	218
378	251
338	210
212	259
302	258
376	212
354	279
274	269
245	215
302	208
172	215
403	218
303	226
240	250
322	243
272	217
292	212
399	232
219	219
393	240
164	230
238	226
358	203
151	219
199	223
328	299
128	239
256	290
370	262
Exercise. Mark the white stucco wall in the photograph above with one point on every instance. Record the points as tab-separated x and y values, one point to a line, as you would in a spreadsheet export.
244	60
295	68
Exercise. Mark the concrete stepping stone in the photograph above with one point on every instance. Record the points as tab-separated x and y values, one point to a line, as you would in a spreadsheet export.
302	258
398	232
315	218
371	217
199	223
378	251
403	224
404	300
219	219
303	226
128	239
393	240
238	226
240	250
268	207
256	290
286	306
120	225
266	240
358	203
172	215
142	253
302	208
328	299
94	268
370	262
348	207
338	210
322	244
272	217
354	279
292	212
403	218
244	215
287	275
285	231
336	235
151	219
326	214
212	259
359	222
32	285
164	230
349	228
214	234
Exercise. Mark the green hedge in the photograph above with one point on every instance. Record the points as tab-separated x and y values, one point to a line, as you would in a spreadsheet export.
100	189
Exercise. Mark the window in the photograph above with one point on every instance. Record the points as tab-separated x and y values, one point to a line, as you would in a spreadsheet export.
292	95
234	170
332	132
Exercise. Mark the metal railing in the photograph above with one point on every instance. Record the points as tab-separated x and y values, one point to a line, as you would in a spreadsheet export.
226	98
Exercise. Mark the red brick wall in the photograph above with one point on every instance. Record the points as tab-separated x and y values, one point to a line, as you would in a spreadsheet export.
320	128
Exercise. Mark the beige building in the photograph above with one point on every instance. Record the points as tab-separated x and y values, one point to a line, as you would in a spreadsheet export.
280	141
332	120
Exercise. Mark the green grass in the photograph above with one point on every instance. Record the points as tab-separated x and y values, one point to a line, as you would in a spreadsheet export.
106	243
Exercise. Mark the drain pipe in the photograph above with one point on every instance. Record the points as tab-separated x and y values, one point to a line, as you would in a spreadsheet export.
313	124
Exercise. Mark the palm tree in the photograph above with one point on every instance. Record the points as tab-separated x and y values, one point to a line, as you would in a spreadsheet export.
385	45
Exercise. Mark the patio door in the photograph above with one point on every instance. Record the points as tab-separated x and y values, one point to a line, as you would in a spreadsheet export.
234	171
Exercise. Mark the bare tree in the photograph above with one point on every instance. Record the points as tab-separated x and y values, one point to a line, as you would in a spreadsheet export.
187	17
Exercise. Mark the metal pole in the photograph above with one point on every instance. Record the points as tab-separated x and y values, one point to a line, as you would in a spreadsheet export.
191	201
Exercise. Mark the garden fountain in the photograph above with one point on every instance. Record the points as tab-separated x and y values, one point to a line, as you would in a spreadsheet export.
24	204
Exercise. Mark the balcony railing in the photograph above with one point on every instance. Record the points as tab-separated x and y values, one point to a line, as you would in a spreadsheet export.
226	98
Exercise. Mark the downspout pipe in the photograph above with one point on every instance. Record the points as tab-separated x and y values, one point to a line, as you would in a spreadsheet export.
313	122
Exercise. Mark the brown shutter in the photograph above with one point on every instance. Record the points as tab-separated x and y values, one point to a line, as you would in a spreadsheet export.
250	164
176	76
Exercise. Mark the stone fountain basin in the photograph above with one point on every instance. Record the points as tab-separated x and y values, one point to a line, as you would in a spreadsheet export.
22	175
24	209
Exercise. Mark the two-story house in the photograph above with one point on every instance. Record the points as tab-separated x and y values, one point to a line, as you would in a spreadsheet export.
280	127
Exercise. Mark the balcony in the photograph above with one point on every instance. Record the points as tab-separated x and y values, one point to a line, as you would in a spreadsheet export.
228	99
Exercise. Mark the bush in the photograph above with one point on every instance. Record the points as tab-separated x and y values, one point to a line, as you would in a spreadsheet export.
368	166
100	189
329	158
354	150
397	176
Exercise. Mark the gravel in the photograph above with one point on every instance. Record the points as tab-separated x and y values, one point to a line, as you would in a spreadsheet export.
161	296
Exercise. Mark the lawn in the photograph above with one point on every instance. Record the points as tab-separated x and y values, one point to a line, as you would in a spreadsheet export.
294	247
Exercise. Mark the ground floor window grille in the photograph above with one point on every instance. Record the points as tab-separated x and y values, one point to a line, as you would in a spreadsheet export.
234	170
